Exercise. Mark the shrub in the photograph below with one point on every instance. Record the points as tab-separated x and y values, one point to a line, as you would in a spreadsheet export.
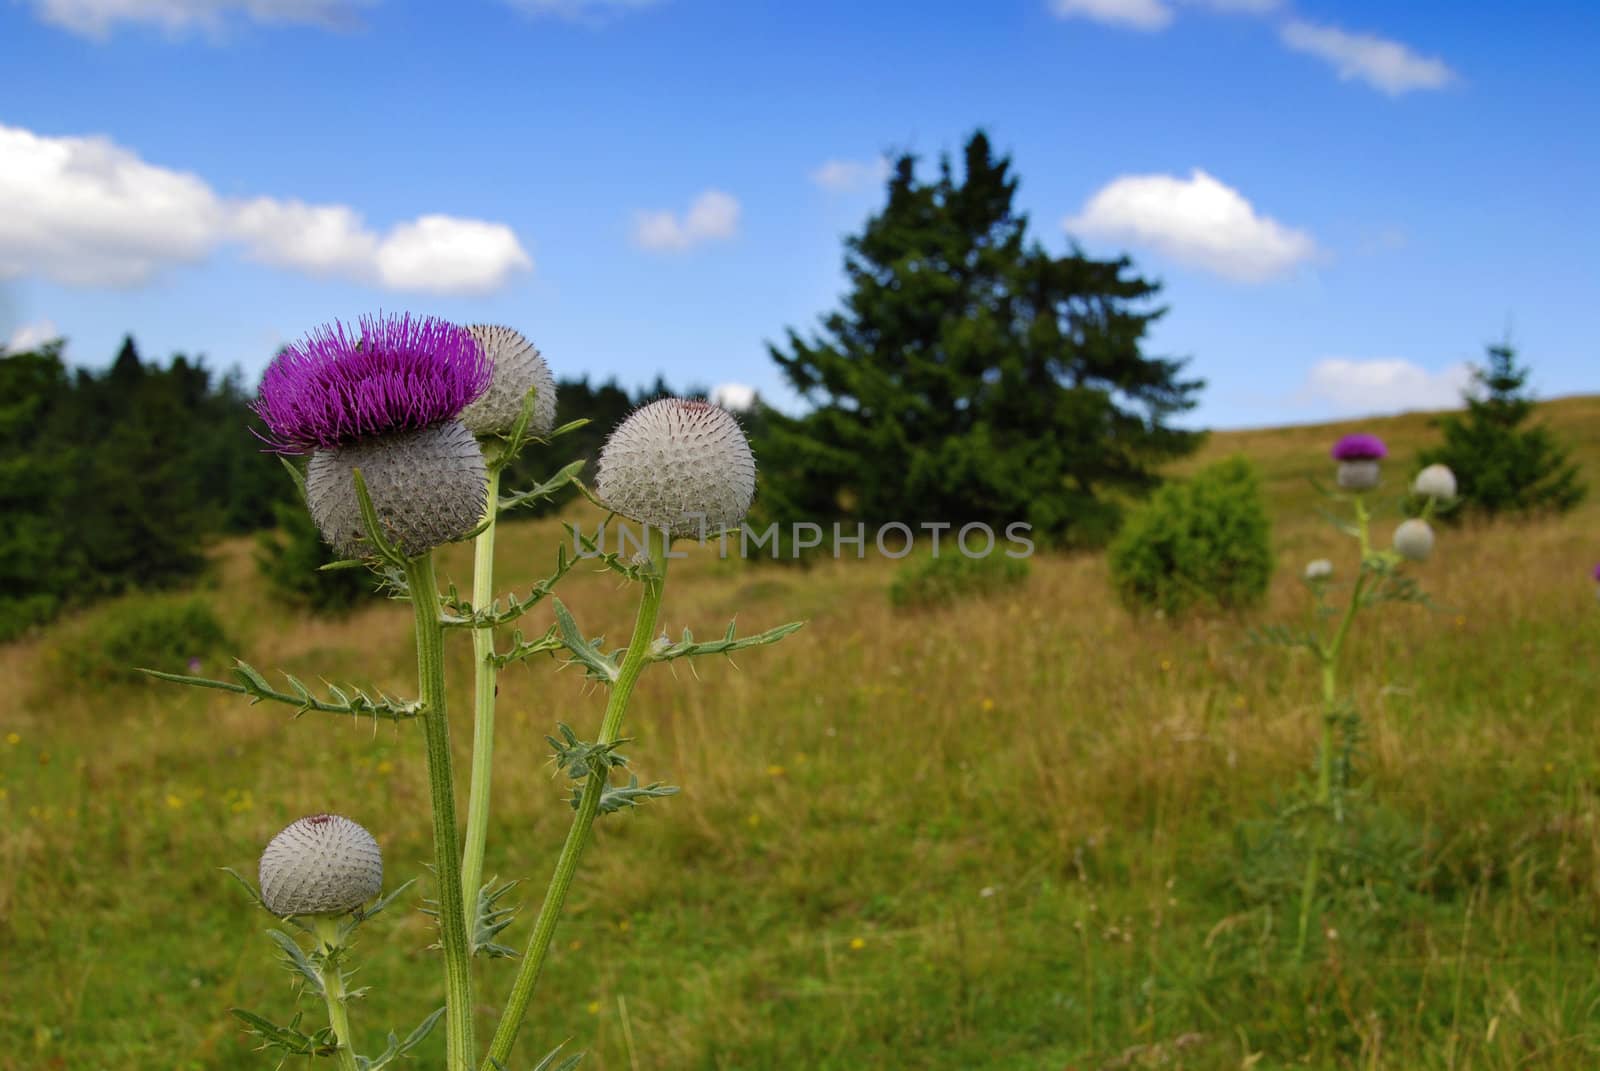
1203	542
143	631
942	579
290	558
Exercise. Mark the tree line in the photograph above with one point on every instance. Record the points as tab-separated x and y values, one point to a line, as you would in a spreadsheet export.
968	375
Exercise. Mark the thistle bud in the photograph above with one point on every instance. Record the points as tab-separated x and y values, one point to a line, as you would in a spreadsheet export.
321	865
1435	481
681	465
1414	540
518	368
1319	569
428	487
1358	457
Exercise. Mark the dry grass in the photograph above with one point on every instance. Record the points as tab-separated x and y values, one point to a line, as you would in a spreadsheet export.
1025	832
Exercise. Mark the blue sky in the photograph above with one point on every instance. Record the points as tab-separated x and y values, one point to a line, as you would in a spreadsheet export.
1344	201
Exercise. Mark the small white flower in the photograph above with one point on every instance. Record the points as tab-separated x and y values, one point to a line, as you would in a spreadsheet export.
1319	569
321	865
1435	481
1414	539
681	465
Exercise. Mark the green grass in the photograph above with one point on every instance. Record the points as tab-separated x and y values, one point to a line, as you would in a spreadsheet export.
1023	832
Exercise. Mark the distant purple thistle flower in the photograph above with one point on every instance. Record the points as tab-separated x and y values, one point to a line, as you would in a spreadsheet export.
1597	574
1359	447
401	373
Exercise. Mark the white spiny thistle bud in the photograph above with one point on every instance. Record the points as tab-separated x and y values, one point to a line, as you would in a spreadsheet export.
1435	481
1358	475
1414	539
518	368
681	465
1319	569
321	865
428	487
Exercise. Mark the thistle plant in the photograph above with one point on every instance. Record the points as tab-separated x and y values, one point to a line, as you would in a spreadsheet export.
1379	577
408	424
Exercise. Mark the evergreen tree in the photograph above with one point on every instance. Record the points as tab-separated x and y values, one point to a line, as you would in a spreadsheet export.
1501	466
36	564
971	375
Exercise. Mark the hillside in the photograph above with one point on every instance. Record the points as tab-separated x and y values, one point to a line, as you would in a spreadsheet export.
1029	832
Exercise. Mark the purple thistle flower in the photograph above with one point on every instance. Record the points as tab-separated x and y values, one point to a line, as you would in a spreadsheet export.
1597	574
1359	447
401	373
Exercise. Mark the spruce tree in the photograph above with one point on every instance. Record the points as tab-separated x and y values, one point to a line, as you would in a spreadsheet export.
973	376
1501	465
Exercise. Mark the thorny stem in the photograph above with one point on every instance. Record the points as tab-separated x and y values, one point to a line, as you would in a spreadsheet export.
484	688
594	786
327	933
459	1048
1328	656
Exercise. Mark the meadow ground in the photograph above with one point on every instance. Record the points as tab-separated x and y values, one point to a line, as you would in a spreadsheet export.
1027	832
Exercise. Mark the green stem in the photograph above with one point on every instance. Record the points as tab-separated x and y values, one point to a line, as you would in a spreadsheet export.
594	786
459	1048
1328	655
484	687
327	932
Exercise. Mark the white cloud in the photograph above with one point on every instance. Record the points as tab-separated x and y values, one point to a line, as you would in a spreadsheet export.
713	215
28	336
97	18
1198	221
87	212
1381	63
590	11
735	397
1130	14
843	176
84	211
1385	385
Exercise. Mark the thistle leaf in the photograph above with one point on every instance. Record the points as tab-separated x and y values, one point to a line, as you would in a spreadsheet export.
688	648
356	703
597	664
295	960
289	1038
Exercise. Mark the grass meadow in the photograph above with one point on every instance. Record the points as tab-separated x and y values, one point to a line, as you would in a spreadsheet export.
1024	832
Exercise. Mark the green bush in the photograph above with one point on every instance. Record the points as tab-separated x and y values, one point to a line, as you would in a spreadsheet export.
939	580
138	632
1203	542
290	558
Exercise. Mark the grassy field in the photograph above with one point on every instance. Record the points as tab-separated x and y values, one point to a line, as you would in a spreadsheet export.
1029	832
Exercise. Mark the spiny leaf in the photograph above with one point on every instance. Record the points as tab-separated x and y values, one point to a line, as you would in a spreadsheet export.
356	703
596	663
688	648
288	1038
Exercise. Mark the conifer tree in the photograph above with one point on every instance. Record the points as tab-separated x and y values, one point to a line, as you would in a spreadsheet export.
1502	463
971	375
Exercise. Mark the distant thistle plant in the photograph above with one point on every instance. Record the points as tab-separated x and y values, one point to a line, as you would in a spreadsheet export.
1378	579
409	423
